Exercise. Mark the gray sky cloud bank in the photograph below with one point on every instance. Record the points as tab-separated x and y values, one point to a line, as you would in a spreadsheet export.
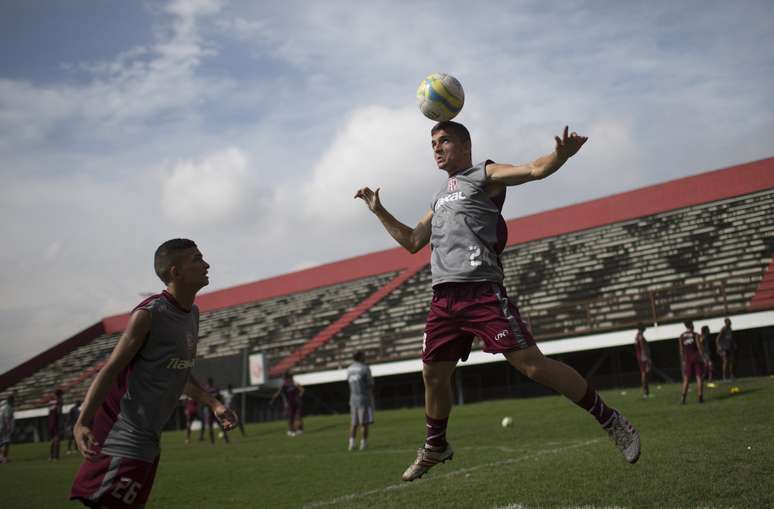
249	128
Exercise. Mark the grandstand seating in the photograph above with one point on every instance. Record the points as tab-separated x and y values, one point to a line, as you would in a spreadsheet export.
701	260
274	326
697	261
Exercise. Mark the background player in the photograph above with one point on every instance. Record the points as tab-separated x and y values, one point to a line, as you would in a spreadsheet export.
209	418
292	394
361	399
692	361
72	418
138	389
7	422
726	347
229	399
704	340
55	425
467	234
642	352
191	412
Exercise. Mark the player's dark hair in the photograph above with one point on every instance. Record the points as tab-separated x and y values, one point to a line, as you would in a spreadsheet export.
641	327
359	356
288	375
688	324
166	256
58	393
455	128
705	330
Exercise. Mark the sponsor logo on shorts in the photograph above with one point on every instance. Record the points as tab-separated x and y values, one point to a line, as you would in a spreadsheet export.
500	335
176	363
424	341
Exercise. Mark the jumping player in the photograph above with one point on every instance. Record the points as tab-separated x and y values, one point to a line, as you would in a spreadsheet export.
291	393
642	352
361	399
692	360
139	387
467	234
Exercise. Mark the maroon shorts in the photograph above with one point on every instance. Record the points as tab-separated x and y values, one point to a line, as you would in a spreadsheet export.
461	311
111	481
693	366
644	366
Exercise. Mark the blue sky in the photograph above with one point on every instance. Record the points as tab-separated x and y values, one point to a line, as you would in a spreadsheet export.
248	126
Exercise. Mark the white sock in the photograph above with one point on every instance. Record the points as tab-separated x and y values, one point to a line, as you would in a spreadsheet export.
363	443
351	443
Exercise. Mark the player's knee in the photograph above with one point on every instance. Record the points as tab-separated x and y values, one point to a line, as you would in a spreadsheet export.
435	380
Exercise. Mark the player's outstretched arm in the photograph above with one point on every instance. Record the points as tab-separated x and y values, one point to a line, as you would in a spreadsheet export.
514	174
128	345
227	417
411	239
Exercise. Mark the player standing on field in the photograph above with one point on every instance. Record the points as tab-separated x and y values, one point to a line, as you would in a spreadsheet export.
138	388
55	425
467	234
7	421
726	347
292	394
691	360
642	352
361	399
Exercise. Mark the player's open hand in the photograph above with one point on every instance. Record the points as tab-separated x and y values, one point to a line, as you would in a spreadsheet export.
227	417
568	146
371	198
85	441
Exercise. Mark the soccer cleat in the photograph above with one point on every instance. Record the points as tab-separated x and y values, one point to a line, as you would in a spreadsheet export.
625	437
426	459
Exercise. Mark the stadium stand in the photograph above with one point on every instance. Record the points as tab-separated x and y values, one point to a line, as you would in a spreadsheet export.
696	247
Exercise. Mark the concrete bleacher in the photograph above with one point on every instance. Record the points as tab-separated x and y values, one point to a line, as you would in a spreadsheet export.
274	326
698	261
694	247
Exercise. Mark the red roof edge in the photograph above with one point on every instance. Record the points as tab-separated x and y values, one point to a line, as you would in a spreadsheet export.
675	194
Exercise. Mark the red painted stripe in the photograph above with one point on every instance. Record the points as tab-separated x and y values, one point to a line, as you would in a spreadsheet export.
326	334
764	295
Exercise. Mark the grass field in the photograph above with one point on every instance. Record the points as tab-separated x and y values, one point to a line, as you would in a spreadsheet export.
720	454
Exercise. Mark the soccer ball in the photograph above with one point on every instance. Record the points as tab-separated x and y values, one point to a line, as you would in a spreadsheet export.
440	97
507	422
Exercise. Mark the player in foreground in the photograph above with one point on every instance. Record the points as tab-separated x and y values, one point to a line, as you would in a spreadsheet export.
361	399
467	234
642	352
692	361
138	389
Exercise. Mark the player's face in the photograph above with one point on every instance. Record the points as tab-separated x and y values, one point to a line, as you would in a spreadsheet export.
191	269
451	153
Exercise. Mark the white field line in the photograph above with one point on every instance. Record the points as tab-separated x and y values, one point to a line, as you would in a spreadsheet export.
521	506
404	485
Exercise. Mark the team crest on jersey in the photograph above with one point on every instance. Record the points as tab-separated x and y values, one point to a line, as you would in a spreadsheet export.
452	184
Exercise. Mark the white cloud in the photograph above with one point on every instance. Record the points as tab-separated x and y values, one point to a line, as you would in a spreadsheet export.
207	191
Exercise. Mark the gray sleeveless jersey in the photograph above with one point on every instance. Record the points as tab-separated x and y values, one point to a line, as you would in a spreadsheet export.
467	230
360	383
141	402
